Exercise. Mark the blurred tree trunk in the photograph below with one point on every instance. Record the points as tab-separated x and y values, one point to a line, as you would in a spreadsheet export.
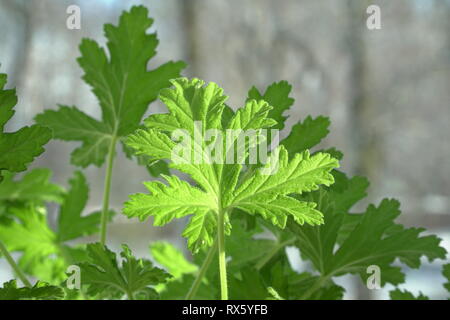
360	104
191	36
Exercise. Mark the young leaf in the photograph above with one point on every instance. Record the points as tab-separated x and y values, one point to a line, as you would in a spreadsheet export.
71	223
25	228
218	188
28	232
249	286
121	83
40	291
371	239
17	149
375	247
109	279
266	194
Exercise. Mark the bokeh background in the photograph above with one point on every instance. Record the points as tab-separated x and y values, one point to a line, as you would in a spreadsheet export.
386	91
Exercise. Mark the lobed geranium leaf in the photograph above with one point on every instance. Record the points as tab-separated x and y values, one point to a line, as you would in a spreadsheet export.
18	149
71	223
132	277
40	291
195	107
398	294
122	84
25	226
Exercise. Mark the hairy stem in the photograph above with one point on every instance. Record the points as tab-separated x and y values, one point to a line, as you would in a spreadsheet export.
222	256
107	190
201	273
14	266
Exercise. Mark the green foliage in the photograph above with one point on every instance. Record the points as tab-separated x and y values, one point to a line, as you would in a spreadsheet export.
71	223
446	273
40	291
398	294
109	279
25	226
121	83
296	198
276	95
311	131
35	186
17	149
221	187
373	240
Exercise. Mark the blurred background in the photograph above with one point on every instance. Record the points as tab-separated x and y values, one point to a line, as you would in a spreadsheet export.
386	91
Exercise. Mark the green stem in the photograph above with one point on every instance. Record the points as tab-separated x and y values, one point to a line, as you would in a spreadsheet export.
201	273
130	295
14	266
222	256
107	189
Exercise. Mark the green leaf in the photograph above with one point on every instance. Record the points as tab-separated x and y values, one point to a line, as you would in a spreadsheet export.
28	232
263	193
71	223
372	248
374	239
167	202
300	284
278	210
245	249
109	279
334	153
345	193
35	186
18	149
121	83
303	173
195	107
157	168
277	95
40	291
71	124
248	286
398	294
446	273
305	135
25	227
171	259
